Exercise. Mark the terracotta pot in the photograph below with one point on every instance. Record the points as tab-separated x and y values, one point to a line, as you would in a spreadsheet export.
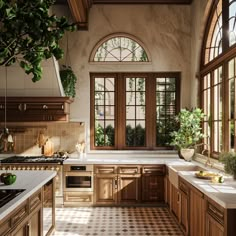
187	153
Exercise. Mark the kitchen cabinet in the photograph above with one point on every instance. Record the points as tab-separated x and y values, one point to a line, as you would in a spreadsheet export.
117	184
25	220
106	185
197	212
219	221
175	201
153	183
128	184
184	189
23	109
39	166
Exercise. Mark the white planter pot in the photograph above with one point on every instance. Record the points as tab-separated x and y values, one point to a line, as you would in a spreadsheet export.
187	153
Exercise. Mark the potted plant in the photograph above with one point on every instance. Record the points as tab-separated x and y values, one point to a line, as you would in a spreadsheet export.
229	161
189	133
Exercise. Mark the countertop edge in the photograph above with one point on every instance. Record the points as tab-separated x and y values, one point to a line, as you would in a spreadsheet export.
14	203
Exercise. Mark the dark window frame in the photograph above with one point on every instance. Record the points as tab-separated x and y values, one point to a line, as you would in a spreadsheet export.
120	113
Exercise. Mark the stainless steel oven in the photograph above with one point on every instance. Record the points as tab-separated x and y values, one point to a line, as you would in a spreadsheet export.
78	178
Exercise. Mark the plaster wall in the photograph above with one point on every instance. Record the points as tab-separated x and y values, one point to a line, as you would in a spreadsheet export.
164	30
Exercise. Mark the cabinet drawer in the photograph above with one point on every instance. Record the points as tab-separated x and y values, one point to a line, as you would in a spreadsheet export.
35	201
216	212
20	214
128	170
105	170
154	170
77	197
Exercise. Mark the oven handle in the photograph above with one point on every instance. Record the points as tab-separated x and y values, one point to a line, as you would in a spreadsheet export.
73	173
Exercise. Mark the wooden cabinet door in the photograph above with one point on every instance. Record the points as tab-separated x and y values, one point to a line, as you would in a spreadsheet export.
128	188
213	228
184	213
152	188
106	189
35	224
174	201
22	231
184	189
197	213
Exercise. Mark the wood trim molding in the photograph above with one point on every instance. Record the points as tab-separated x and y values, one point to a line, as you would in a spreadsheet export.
80	10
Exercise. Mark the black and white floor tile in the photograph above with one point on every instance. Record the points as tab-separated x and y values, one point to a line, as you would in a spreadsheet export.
115	221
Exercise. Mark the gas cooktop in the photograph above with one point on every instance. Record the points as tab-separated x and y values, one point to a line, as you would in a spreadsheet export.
6	195
34	159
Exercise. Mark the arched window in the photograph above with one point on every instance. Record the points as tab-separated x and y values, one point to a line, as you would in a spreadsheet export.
218	77
119	48
130	110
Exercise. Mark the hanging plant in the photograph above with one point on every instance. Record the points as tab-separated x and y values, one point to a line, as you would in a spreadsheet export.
29	34
68	80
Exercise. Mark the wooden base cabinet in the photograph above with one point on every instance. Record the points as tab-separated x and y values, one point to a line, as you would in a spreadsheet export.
197	212
184	189
116	184
153	184
219	221
175	201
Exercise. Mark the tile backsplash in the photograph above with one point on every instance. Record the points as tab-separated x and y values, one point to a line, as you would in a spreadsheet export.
35	138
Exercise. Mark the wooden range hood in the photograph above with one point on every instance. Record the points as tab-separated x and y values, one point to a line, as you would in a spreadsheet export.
80	8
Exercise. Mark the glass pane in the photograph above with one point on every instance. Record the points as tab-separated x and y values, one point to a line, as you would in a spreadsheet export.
110	133
140	84
160	84
232	14
99	112
140	98
170	84
130	84
110	84
99	84
231	69
99	98
110	98
170	98
130	112
99	134
161	112
232	135
135	133
160	99
110	113
130	98
140	112
232	98
120	49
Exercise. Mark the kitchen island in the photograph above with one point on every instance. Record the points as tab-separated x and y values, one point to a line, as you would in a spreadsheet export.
24	212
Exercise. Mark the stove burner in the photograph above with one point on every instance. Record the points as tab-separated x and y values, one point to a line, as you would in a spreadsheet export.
34	159
6	195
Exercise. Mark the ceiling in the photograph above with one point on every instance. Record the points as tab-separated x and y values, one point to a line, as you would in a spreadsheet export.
80	8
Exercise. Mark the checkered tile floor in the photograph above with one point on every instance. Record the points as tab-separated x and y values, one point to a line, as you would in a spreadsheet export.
115	221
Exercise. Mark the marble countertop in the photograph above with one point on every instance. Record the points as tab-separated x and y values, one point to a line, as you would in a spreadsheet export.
124	158
31	181
222	193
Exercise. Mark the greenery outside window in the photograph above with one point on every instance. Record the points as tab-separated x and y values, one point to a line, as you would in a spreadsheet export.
133	110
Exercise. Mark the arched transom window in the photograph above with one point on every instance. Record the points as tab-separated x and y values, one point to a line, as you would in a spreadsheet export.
119	49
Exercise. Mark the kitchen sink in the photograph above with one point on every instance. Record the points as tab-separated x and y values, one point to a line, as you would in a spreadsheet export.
173	172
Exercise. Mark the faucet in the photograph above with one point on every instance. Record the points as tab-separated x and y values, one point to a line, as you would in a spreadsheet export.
208	161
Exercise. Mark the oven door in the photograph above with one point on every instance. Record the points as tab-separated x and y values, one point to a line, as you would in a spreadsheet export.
78	181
